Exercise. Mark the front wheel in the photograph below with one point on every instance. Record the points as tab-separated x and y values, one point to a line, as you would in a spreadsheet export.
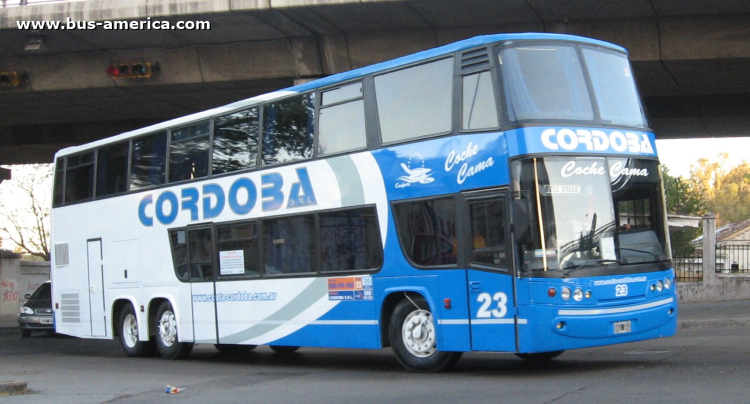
128	333
414	340
167	341
539	356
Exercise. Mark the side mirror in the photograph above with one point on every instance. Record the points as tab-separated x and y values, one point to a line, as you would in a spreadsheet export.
27	296
523	220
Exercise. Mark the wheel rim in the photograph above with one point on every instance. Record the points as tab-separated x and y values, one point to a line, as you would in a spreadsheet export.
130	330
167	328
418	332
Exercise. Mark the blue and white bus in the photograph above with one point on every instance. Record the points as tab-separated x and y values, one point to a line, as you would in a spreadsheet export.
501	193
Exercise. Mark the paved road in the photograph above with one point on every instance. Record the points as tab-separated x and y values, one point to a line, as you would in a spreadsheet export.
699	365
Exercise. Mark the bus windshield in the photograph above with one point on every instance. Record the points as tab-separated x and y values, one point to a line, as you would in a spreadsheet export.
548	82
590	211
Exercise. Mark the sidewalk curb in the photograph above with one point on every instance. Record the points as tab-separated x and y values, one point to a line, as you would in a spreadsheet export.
13	388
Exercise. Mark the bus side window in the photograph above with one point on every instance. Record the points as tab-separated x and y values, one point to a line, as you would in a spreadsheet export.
478	102
188	152
427	231
58	190
342	120
79	178
289	245
239	250
235	141
488	229
148	163
288	129
177	239
112	169
350	240
201	250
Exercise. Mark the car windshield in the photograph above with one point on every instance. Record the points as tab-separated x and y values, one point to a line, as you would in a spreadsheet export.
589	211
44	291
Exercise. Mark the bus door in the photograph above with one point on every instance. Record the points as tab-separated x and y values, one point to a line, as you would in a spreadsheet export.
96	288
202	286
490	279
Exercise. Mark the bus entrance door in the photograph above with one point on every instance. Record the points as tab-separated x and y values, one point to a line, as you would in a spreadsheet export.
492	317
202	277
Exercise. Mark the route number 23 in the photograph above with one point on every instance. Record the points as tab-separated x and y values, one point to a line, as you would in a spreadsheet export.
487	311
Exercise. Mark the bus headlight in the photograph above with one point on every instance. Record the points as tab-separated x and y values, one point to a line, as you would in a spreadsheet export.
659	286
565	293
667	283
578	295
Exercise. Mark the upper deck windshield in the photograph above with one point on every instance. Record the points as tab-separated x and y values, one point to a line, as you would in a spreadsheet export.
569	82
590	212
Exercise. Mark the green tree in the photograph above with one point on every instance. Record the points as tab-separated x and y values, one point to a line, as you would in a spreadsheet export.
724	190
682	199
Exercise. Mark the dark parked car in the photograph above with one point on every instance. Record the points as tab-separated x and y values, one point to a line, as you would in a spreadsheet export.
36	314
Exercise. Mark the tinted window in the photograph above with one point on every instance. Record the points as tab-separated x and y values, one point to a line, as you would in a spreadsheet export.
235	141
350	240
201	254
416	101
148	162
44	291
188	152
488	228
178	240
289	245
112	169
57	198
427	231
544	82
479	108
79	178
238	249
288	128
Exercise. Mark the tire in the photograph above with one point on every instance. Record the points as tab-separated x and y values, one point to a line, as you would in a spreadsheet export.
25	333
167	341
539	356
283	349
229	349
414	340
127	330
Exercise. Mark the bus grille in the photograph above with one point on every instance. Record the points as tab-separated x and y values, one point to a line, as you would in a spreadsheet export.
70	307
475	59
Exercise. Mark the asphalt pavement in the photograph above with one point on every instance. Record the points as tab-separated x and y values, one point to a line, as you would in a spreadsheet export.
734	313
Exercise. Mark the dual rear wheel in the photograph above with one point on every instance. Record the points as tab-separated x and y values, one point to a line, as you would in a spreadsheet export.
166	341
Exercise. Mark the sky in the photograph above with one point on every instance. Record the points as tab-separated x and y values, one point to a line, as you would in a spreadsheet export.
679	154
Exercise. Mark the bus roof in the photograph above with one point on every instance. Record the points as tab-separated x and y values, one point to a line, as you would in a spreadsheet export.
342	77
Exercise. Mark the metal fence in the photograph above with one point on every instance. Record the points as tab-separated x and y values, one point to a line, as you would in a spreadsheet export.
689	268
733	258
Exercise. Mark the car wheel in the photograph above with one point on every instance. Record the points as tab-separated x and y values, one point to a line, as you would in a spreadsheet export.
167	342
413	338
25	333
128	334
539	356
230	349
284	349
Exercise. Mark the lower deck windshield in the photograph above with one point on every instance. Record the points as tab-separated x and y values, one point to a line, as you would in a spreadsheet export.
589	212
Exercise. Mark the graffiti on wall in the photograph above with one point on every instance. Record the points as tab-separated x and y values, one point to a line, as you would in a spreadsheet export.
9	291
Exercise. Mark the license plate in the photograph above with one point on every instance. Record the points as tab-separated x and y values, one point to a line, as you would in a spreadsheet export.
46	321
622	327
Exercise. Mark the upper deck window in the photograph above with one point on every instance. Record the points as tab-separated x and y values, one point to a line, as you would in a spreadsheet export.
148	161
545	82
288	129
416	101
342	120
614	87
235	141
188	152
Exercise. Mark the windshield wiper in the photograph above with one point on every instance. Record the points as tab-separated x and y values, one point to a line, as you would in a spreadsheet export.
588	263
656	257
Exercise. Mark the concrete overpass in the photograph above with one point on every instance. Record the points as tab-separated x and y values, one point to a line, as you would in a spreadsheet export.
691	57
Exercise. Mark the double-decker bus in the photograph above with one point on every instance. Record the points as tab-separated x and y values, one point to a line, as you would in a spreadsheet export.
501	193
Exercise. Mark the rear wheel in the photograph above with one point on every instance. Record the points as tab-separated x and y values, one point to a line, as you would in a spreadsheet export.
128	333
414	339
284	349
539	356
167	341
